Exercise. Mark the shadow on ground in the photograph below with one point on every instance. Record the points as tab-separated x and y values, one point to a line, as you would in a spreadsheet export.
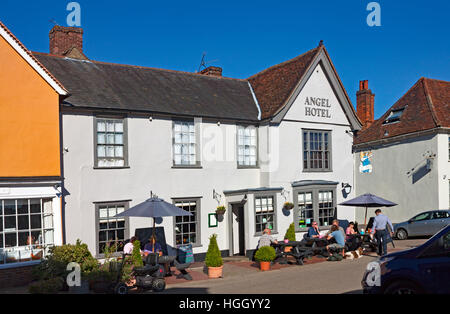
185	290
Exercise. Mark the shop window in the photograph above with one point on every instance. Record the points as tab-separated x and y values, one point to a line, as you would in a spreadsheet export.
26	229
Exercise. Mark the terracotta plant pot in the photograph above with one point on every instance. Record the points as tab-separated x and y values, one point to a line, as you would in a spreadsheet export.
264	266
215	272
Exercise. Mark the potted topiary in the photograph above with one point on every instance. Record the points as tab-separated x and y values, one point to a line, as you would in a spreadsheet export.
220	210
288	205
213	258
265	255
289	236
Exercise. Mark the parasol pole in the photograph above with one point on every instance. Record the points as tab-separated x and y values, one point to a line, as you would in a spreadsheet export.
365	217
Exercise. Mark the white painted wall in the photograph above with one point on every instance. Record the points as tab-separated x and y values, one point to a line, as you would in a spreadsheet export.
443	166
390	179
150	161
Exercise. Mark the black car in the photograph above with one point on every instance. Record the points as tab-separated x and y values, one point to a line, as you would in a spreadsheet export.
424	269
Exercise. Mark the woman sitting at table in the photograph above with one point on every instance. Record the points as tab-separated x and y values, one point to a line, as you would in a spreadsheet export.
350	231
152	246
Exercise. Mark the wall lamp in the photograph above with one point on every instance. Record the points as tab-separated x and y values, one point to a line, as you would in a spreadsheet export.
347	187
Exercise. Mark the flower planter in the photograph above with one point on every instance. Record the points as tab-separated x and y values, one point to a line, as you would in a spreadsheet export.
288	206
220	212
264	266
215	272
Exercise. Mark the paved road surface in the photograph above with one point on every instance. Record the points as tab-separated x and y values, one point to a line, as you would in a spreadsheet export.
326	277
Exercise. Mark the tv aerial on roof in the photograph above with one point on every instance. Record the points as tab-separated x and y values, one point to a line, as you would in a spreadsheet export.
54	22
203	63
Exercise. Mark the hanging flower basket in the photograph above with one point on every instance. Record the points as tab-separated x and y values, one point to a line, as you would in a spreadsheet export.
288	205
220	210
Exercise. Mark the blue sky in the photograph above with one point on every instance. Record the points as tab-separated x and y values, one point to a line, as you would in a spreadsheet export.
245	37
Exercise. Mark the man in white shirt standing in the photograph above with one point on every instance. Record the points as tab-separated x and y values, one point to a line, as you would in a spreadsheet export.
379	227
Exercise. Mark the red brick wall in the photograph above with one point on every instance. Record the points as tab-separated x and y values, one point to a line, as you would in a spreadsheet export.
15	277
365	101
64	38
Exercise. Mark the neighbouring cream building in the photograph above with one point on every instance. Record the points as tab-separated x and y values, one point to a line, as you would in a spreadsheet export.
201	140
404	156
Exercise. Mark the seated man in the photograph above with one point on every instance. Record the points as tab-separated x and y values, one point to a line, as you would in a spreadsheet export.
339	237
313	231
266	239
152	246
336	223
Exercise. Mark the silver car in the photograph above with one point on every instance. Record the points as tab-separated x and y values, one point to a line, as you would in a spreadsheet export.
423	224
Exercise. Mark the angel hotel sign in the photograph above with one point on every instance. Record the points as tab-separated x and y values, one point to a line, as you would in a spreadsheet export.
317	107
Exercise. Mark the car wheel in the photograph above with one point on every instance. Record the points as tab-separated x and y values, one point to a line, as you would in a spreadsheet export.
403	287
402	234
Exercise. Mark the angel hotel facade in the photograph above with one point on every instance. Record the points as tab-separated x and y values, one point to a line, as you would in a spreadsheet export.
87	140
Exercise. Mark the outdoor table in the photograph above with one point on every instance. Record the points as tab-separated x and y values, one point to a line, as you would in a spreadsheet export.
367	242
299	251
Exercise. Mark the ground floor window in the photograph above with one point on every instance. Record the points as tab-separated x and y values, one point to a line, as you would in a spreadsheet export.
264	213
112	232
26	229
314	204
187	228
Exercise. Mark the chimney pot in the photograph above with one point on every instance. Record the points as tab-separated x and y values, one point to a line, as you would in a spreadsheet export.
212	71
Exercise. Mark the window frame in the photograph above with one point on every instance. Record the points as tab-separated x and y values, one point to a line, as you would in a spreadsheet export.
126	205
389	119
197	144
125	141
330	150
244	126
275	208
197	200
43	229
315	190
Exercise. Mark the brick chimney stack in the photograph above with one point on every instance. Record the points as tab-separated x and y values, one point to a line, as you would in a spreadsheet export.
365	101
211	70
64	39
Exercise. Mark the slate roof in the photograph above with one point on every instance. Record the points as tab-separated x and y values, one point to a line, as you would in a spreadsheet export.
427	106
100	85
